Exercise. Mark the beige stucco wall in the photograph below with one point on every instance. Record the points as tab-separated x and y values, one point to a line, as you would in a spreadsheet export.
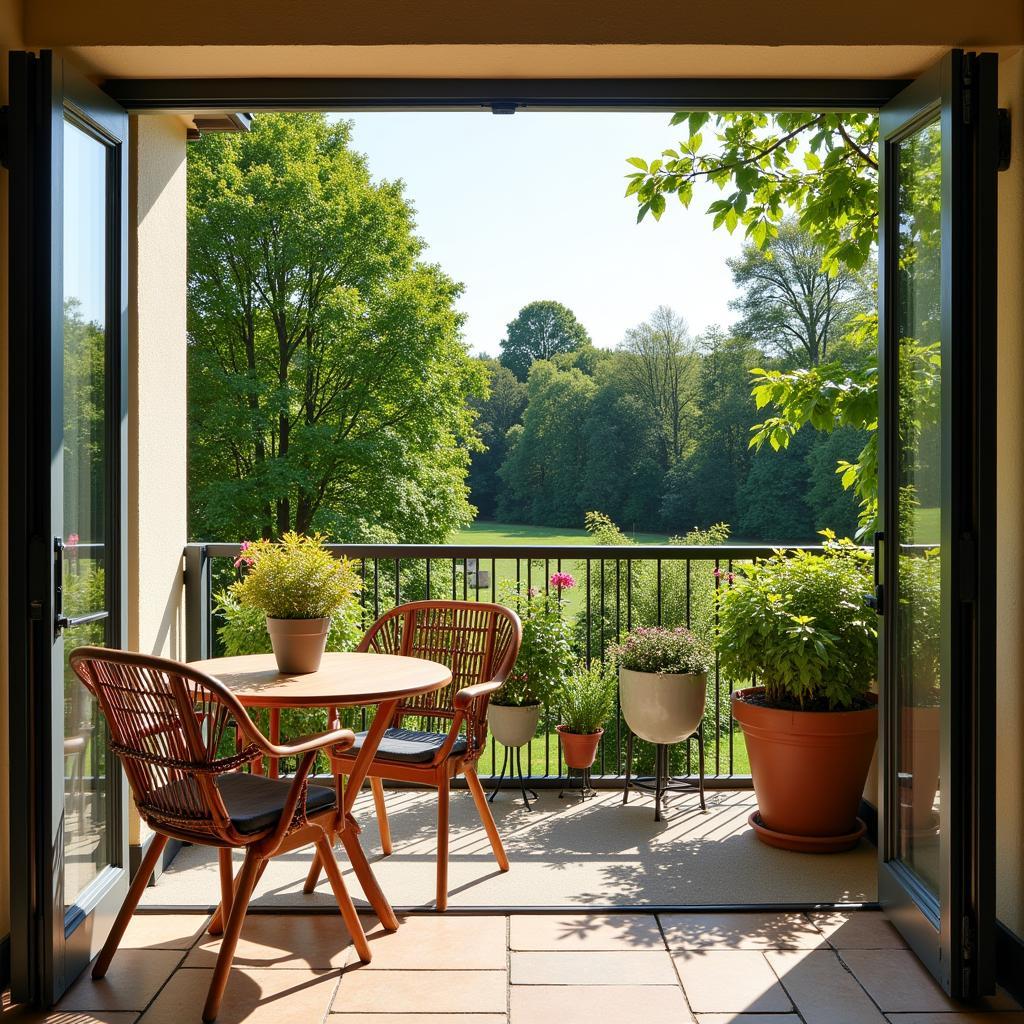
156	391
1010	512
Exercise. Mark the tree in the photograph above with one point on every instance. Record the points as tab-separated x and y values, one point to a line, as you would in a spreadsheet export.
541	330
328	384
498	413
788	304
661	368
823	166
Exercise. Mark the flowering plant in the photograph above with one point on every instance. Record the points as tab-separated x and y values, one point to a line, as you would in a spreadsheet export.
665	651
294	578
545	654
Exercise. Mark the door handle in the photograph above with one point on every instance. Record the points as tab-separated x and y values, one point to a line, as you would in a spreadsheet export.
61	621
876	600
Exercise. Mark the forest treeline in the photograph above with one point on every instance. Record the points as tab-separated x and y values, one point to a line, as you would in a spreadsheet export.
656	432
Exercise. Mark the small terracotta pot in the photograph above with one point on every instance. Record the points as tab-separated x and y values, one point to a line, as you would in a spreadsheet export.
809	769
513	726
298	643
579	749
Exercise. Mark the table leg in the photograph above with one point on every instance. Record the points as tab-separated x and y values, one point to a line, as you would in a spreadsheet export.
273	763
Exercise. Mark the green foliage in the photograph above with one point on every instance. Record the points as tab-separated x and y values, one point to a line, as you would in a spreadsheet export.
545	655
822	166
328	383
920	624
799	624
541	330
586	700
295	578
662	650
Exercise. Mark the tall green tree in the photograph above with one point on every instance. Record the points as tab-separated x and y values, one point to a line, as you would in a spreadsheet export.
541	330
788	304
328	383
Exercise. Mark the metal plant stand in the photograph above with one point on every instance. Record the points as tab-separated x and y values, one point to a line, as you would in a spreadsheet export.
506	765
585	789
662	782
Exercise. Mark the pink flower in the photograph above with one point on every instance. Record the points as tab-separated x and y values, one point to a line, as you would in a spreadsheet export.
243	558
731	577
563	580
72	540
717	573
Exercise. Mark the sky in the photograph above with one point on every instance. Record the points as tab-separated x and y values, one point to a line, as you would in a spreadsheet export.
531	206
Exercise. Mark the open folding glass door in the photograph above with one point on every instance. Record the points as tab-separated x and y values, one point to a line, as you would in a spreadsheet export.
67	155
938	163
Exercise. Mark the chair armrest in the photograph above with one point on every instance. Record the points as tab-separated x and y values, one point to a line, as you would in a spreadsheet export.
339	739
468	694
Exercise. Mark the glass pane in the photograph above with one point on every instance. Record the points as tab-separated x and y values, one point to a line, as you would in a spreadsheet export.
86	833
919	476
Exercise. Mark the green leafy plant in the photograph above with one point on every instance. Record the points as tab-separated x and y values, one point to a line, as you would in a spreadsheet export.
545	655
798	622
920	613
294	578
586	699
662	650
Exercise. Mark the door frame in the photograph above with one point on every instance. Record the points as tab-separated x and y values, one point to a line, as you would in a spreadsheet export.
54	943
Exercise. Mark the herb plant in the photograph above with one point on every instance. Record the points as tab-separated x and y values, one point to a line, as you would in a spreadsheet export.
587	699
799	624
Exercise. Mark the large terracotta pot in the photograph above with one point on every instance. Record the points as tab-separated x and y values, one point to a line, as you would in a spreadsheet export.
579	749
923	726
513	726
809	769
662	707
298	643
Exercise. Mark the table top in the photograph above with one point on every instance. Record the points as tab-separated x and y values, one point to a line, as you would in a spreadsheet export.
342	679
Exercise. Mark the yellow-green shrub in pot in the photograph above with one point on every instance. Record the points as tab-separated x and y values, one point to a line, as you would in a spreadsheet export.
585	702
299	585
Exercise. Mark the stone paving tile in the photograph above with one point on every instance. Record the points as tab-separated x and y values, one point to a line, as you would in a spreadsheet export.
441	942
252	996
740	931
582	1004
897	981
286	941
748	1018
821	988
134	977
164	931
584	932
419	1018
960	1017
857	929
366	991
651	967
730	981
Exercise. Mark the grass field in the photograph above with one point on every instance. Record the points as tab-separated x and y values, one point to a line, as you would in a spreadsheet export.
482	532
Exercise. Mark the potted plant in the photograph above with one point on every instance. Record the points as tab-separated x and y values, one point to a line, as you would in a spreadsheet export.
299	585
585	702
798	623
662	682
545	658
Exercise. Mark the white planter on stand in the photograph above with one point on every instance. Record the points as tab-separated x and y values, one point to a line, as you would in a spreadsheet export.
513	726
662	708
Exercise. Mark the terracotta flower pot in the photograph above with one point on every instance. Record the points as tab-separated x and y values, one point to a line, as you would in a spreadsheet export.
298	643
579	749
662	707
809	769
923	724
513	726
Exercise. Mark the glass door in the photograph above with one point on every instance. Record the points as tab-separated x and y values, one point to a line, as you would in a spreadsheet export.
938	164
68	297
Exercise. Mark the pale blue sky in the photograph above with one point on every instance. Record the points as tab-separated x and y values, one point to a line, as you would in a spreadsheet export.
531	207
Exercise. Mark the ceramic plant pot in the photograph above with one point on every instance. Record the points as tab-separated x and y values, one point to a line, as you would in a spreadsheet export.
513	727
298	643
579	749
662	708
809	769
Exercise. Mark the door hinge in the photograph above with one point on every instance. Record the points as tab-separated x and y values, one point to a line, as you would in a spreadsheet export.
1005	140
5	137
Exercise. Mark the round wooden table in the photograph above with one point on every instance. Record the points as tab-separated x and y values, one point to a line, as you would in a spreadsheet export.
343	680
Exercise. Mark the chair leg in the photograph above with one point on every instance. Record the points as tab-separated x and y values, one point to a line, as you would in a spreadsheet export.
345	904
216	925
227	887
443	791
367	881
473	781
377	785
131	901
232	929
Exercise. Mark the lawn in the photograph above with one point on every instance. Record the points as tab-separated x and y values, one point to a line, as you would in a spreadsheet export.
482	532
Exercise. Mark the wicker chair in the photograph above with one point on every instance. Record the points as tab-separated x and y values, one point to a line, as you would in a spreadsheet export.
480	643
168	724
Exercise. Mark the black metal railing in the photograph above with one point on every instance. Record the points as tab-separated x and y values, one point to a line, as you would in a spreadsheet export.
618	587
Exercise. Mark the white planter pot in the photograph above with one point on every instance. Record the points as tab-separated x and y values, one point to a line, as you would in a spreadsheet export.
662	708
513	727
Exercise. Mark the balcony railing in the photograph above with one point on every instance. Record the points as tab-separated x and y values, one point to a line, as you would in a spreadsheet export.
618	587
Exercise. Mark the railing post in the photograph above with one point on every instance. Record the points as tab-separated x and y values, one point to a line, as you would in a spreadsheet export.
197	602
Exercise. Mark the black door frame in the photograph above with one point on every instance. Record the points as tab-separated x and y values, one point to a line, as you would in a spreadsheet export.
53	943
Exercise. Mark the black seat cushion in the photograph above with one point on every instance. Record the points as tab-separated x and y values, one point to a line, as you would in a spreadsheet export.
410	746
255	801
